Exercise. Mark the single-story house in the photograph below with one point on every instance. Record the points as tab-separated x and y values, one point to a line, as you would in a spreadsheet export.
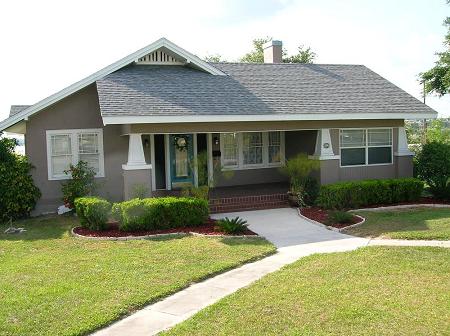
143	120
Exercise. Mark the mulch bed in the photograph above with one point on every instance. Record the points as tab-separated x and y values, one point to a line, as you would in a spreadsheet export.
322	216
209	228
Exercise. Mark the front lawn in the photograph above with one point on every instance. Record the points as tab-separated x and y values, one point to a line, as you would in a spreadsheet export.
370	291
54	284
418	223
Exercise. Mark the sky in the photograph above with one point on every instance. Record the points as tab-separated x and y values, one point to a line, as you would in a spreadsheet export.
47	45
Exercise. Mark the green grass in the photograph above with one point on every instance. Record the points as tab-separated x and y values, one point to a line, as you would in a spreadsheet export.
370	291
55	284
418	223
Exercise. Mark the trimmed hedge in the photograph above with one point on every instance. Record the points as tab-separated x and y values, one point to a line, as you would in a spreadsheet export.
93	212
357	194
160	213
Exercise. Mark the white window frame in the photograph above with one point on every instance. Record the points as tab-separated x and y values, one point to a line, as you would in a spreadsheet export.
366	147
73	133
265	152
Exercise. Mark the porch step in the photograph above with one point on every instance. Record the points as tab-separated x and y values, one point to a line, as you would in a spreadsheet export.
247	203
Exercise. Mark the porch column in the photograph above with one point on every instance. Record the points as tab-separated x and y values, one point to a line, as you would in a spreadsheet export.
137	174
403	155
329	162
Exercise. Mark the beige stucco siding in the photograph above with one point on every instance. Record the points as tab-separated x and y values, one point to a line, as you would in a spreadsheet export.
78	111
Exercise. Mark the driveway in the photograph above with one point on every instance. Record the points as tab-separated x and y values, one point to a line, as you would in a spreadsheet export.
284	227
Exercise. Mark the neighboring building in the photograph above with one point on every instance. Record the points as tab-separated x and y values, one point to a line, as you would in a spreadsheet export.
144	119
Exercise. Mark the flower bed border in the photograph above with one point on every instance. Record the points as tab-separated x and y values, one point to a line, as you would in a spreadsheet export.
161	235
331	228
403	206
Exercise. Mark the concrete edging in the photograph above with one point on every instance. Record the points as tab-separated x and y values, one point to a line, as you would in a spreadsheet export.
159	235
331	228
404	206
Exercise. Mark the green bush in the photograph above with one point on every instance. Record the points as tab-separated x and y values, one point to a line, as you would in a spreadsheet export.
18	194
232	226
160	213
356	194
93	212
341	217
81	184
433	166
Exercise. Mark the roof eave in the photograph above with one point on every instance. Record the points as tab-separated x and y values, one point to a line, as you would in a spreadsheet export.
114	120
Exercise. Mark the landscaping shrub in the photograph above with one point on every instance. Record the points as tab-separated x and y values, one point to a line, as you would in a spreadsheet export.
93	212
341	217
232	226
81	184
18	194
161	213
433	166
356	194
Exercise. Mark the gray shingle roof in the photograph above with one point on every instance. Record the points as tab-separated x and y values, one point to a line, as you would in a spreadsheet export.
17	108
252	89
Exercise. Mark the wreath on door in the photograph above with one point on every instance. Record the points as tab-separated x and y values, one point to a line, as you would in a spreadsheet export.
180	143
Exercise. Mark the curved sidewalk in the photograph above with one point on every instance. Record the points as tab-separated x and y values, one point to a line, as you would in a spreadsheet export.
294	237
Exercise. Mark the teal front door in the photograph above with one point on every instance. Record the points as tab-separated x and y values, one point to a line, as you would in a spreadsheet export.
181	157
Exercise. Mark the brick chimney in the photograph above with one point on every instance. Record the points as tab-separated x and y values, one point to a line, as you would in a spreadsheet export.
273	51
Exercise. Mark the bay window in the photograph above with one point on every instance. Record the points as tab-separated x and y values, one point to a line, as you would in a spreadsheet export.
66	147
366	146
251	150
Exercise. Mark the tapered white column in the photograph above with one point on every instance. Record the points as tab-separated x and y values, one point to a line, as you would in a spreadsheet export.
324	147
136	157
402	143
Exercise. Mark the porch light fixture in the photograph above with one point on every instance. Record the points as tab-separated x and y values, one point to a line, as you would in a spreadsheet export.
326	145
216	140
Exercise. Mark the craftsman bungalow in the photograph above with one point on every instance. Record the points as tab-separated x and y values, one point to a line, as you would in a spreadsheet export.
144	119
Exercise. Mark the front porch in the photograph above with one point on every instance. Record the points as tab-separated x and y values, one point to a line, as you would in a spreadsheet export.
242	168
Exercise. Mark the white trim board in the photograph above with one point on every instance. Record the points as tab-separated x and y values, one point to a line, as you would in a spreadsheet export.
162	42
261	117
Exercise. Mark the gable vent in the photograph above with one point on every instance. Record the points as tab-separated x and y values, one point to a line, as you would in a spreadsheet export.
158	57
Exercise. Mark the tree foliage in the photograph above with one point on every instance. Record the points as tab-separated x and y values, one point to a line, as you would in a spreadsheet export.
215	58
18	194
437	130
304	55
433	166
437	79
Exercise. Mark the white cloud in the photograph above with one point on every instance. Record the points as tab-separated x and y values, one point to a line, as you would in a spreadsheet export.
52	44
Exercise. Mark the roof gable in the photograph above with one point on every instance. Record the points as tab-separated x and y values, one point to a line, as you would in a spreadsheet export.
162	44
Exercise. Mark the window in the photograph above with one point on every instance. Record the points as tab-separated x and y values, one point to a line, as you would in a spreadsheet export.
230	150
251	150
366	146
274	147
68	147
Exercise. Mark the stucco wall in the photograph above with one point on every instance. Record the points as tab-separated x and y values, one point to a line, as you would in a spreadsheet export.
78	111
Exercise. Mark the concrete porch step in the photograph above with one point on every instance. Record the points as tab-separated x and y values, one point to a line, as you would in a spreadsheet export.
244	203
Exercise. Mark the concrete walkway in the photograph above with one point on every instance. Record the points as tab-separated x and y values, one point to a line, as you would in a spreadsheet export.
294	237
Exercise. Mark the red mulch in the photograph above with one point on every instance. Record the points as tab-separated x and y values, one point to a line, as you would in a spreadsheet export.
209	228
321	216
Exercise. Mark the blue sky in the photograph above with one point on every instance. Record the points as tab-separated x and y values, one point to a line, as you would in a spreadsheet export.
54	43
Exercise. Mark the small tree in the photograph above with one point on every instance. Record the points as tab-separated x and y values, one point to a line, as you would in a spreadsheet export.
303	185
81	184
433	166
18	194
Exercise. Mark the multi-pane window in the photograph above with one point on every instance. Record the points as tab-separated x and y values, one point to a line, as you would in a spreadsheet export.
252	149
71	146
274	147
366	146
230	150
61	153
